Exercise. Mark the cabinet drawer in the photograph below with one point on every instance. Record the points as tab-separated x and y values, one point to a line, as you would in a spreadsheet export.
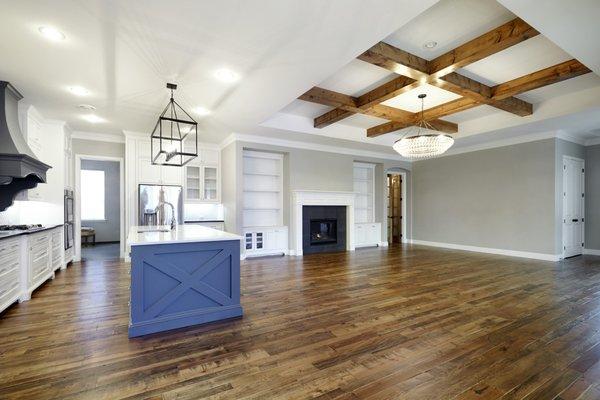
8	282
9	264
38	242
8	247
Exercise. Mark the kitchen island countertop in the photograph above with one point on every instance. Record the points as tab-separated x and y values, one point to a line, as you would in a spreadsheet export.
145	235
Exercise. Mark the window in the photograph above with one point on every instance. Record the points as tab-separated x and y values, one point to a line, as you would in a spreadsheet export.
92	195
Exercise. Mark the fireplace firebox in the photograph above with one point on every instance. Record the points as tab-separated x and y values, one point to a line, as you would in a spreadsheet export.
323	229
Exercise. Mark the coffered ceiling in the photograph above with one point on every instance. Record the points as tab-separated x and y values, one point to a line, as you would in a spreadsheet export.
453	23
124	52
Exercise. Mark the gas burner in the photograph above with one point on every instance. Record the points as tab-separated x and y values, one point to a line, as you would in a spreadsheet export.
19	227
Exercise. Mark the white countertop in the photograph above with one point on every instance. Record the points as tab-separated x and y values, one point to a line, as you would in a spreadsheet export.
181	234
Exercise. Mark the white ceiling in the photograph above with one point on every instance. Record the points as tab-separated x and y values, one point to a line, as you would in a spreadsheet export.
451	23
125	51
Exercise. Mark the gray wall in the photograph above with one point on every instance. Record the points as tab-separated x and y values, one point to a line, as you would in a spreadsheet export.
563	148
592	197
109	229
303	170
498	198
95	148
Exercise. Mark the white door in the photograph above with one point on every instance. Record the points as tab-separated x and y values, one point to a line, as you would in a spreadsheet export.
573	206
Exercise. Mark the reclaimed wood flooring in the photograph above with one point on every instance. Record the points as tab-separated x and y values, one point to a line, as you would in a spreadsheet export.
391	323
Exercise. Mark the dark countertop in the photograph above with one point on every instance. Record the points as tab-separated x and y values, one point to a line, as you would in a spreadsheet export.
9	234
203	220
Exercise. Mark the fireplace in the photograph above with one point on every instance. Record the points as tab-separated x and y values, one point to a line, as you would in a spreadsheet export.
323	229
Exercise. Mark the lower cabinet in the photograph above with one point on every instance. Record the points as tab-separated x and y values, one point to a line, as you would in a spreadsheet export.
10	280
265	241
367	234
27	261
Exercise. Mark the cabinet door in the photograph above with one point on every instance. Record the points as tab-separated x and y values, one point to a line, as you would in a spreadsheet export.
210	183
171	175
192	182
248	241
282	239
359	234
210	156
270	240
148	173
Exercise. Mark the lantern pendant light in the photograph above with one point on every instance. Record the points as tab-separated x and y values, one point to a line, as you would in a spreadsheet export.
174	140
423	141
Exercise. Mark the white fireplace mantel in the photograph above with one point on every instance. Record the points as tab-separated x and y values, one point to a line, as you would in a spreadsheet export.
320	198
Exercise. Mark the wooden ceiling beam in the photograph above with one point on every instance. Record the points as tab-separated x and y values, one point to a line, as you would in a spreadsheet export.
481	93
399	61
453	82
349	104
557	73
393	88
492	42
438	124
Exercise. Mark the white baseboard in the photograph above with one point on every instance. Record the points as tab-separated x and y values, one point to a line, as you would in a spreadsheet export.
592	252
383	244
503	252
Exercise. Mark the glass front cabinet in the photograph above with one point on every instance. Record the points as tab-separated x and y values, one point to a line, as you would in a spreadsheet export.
201	183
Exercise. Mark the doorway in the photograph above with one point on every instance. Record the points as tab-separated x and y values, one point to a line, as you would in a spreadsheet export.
573	206
99	220
394	208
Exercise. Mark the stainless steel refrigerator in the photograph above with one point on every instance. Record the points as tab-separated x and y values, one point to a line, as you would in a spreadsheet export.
149	199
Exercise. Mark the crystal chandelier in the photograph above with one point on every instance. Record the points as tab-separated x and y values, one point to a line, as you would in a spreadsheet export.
168	139
423	141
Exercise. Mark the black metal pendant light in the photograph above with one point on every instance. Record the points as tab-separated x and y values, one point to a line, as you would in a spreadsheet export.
170	142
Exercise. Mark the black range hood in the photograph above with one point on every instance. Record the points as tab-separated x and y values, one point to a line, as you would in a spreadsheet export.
19	167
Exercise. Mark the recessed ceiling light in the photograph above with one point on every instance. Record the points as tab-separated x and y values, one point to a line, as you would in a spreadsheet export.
51	33
79	91
226	75
430	45
201	111
93	118
87	107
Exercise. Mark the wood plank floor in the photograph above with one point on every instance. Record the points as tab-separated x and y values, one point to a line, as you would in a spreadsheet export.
413	322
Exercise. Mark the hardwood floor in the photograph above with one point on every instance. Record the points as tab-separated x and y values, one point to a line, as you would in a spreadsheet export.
413	323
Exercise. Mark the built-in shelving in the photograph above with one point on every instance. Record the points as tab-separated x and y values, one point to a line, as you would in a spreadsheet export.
263	187
364	188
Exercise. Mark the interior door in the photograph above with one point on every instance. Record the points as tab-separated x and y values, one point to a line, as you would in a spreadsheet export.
573	207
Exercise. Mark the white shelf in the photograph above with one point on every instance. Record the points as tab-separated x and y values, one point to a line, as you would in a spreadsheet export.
262	189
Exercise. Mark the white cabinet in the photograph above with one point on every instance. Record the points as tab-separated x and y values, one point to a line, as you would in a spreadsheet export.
38	259
10	261
266	241
157	174
201	183
27	261
56	244
368	234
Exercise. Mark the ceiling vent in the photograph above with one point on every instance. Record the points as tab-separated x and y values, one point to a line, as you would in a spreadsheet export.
19	167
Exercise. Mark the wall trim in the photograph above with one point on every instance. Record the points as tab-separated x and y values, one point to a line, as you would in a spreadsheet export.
77	212
98	137
591	252
592	142
511	253
296	144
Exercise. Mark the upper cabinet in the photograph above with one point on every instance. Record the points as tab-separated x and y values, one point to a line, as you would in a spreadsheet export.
155	174
202	177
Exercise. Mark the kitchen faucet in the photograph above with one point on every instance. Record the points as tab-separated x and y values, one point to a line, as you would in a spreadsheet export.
173	220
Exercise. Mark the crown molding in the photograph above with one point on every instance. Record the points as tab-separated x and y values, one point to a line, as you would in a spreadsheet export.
592	142
98	137
295	144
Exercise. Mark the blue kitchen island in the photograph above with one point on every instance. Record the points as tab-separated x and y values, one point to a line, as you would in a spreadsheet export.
183	276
